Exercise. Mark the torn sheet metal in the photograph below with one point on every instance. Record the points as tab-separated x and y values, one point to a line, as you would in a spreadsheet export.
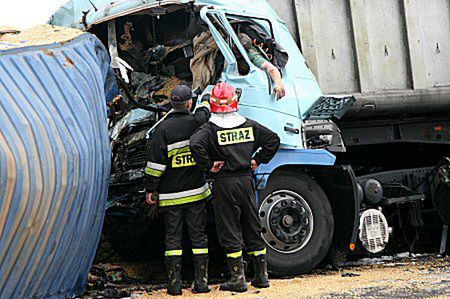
116	61
133	118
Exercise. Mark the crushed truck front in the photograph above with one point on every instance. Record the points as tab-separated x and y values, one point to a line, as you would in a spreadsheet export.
164	29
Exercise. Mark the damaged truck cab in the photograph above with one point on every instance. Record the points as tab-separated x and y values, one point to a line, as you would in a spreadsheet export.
304	199
309	206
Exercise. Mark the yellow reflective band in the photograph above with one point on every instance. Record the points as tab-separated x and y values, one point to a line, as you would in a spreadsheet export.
235	255
184	200
200	250
256	253
177	252
183	160
235	136
178	151
153	172
205	104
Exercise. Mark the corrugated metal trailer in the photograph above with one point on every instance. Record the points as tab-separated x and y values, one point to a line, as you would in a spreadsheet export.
392	55
54	166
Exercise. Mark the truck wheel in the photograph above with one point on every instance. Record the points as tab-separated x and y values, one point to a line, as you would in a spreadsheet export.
297	223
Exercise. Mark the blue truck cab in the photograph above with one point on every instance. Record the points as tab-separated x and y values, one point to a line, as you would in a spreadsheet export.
309	206
288	209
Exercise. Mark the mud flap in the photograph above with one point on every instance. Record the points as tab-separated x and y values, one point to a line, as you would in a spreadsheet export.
340	186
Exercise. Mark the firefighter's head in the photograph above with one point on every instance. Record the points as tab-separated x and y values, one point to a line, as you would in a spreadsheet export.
223	98
181	98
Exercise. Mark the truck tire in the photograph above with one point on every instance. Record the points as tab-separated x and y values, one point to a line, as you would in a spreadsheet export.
297	223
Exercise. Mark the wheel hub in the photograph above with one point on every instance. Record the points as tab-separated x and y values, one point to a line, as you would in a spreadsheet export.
287	221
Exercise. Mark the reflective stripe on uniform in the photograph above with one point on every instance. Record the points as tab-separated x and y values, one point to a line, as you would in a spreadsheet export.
155	169
177	148
176	145
177	151
200	250
184	200
204	104
156	166
182	194
235	255
259	252
177	252
153	172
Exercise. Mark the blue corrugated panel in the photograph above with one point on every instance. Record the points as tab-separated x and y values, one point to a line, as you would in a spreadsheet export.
54	166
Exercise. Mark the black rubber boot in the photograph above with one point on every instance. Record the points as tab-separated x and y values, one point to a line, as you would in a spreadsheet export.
261	279
201	274
173	264
237	282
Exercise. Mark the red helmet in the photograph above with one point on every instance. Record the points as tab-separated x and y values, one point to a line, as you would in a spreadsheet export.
223	98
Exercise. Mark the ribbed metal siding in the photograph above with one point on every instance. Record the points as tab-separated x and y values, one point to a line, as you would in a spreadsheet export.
54	166
378	45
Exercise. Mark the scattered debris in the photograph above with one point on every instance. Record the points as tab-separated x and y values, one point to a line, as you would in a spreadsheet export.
126	37
146	84
373	281
369	261
403	255
166	91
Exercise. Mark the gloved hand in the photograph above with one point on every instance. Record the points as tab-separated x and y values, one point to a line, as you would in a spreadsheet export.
151	200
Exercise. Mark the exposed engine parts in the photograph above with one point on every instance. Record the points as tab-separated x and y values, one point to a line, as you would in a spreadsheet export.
373	192
397	199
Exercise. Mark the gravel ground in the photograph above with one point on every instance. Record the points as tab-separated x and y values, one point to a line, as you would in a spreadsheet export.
399	277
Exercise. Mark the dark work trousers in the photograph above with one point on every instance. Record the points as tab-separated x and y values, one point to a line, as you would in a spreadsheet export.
236	214
195	216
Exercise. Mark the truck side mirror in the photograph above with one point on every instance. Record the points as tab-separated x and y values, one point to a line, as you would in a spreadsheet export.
206	97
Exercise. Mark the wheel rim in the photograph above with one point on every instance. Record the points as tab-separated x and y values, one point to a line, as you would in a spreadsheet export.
287	221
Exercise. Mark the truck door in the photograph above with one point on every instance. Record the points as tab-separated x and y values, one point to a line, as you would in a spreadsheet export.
258	100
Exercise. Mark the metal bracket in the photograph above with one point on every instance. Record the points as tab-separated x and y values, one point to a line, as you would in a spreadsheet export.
443	247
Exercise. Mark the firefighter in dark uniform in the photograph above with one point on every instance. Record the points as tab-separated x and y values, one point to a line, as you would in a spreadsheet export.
181	187
226	146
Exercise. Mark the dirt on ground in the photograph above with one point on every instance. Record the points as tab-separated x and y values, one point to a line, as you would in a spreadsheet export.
400	277
38	35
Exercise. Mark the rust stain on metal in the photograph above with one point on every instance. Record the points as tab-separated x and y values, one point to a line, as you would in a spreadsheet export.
48	53
126	37
70	61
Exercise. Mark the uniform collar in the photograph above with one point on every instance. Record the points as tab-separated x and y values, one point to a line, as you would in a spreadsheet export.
181	111
227	120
